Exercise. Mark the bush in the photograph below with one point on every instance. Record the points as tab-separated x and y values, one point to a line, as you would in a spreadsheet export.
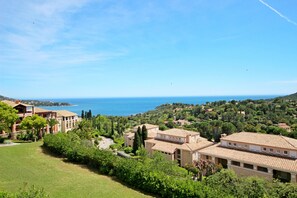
116	146
128	150
29	136
7	142
1	140
32	192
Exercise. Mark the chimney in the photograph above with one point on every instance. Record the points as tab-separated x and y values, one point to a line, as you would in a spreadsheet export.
223	135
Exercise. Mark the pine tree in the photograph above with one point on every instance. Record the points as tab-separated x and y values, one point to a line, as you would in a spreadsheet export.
136	143
144	134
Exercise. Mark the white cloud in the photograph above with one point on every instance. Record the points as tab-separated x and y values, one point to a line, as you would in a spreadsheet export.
278	13
37	38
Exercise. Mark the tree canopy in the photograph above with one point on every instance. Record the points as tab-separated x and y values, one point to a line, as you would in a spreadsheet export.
8	116
34	123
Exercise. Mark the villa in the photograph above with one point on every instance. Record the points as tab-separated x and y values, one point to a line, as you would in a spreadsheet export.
66	119
47	114
263	155
284	126
23	110
177	144
151	133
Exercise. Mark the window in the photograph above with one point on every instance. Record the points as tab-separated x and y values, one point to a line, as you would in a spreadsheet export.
234	144
229	143
264	149
262	169
286	152
249	166
235	163
271	150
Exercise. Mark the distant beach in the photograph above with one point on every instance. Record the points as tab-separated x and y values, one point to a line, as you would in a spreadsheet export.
130	106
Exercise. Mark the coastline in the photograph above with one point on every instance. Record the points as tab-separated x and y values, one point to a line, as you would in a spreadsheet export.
135	105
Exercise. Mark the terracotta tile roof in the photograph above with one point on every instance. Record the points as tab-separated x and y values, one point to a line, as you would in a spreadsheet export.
65	113
283	125
199	145
186	146
148	126
14	104
178	132
129	135
150	134
263	139
165	148
278	163
40	110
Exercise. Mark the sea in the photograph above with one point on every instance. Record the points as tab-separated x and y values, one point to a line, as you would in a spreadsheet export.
136	105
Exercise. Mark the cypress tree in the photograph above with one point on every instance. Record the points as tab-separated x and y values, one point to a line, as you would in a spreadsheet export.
119	128
112	127
144	134
82	114
136	143
140	135
90	114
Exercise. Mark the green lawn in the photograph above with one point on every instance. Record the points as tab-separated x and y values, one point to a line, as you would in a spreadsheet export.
26	163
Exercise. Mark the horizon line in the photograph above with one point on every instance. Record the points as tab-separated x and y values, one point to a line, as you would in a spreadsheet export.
115	97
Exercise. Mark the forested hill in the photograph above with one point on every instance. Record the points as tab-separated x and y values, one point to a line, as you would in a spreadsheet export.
290	97
37	102
275	116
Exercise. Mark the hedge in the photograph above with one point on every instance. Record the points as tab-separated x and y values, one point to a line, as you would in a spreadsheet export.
148	177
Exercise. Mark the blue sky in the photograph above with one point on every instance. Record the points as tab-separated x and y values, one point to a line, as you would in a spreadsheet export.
121	48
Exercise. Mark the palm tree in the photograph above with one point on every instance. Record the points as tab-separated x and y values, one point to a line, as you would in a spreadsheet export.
52	122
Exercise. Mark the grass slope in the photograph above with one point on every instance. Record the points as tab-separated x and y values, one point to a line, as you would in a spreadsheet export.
26	163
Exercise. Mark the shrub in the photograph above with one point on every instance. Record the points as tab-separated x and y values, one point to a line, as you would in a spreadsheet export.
1	140
128	150
32	192
7	142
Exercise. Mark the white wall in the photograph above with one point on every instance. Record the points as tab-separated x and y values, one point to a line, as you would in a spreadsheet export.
224	143
255	148
293	154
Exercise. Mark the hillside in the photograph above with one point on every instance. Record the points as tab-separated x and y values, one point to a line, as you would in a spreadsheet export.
37	102
290	97
214	118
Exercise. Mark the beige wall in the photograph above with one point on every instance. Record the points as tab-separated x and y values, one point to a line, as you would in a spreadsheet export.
148	147
259	148
242	171
186	157
128	140
249	172
67	125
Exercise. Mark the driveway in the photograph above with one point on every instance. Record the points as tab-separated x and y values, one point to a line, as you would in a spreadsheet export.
105	143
